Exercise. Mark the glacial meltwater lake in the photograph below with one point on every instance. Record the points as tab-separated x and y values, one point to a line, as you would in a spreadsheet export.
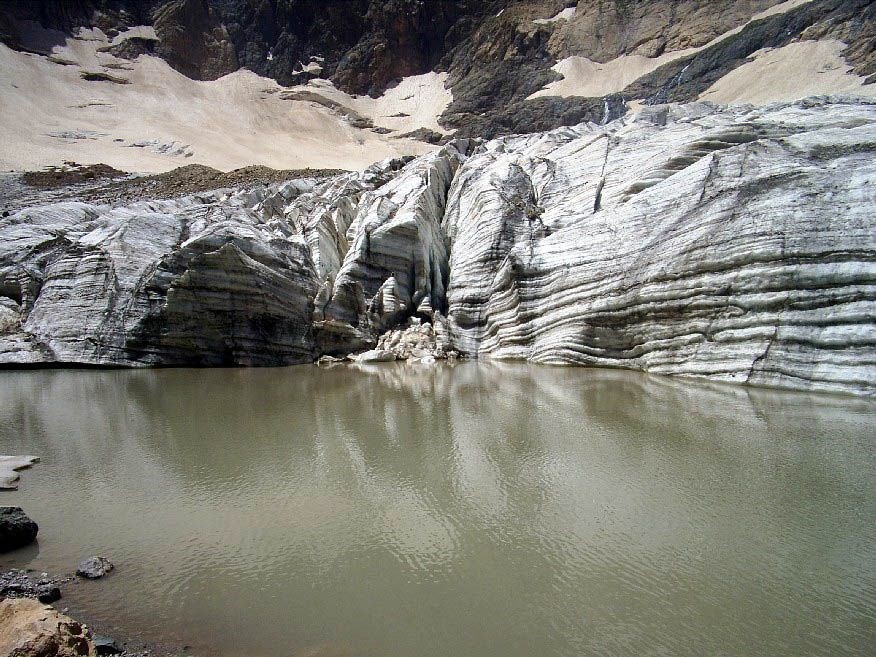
481	510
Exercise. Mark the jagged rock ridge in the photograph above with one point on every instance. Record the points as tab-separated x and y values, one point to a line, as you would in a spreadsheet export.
733	243
496	53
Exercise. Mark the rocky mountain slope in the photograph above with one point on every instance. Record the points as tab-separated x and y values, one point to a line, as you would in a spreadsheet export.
732	243
383	77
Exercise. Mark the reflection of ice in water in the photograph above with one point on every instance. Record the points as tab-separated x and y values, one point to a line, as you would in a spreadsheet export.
478	479
417	533
491	509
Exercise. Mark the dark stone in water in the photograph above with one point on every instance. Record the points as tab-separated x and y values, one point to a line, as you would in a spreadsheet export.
16	529
94	567
103	645
18	584
48	593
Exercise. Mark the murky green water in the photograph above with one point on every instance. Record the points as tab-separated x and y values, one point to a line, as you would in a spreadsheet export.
476	511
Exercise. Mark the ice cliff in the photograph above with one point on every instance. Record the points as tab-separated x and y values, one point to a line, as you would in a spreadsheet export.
735	243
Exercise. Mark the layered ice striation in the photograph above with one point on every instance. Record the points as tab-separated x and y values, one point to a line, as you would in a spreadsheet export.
735	243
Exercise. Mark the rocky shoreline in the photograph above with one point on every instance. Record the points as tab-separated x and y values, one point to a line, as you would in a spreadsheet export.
31	627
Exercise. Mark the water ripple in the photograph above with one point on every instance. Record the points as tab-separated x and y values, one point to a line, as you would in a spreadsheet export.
486	509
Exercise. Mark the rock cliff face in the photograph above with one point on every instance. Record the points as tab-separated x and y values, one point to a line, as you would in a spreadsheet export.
499	56
733	243
32	629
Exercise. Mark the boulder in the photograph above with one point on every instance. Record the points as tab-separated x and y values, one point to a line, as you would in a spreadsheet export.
29	628
94	567
16	529
18	584
48	593
104	645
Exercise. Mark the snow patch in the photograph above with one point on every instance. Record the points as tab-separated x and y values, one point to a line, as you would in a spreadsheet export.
794	71
566	15
585	77
235	121
9	467
415	102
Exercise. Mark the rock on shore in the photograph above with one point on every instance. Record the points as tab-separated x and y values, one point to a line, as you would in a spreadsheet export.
20	584
735	243
29	628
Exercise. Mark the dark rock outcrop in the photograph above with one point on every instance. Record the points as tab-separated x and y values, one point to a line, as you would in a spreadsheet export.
401	38
131	48
193	40
496	54
20	584
16	529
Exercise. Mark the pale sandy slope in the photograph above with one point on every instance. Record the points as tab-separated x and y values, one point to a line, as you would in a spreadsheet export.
795	71
415	102
161	119
800	69
566	14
